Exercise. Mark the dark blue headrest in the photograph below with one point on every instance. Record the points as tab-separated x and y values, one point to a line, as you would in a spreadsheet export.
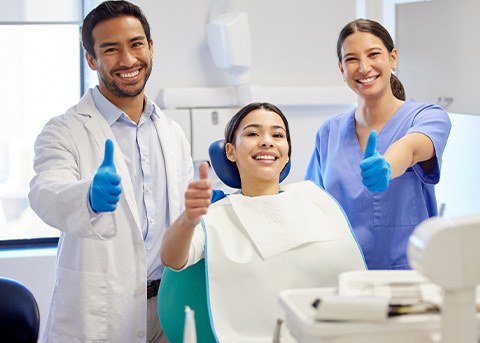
226	170
19	313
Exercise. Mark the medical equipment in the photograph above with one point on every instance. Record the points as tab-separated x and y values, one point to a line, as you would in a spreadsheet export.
446	251
401	286
189	331
367	308
228	38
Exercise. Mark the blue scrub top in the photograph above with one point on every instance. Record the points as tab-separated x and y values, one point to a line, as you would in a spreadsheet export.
382	221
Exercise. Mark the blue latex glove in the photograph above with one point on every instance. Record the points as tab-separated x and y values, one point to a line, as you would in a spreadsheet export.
376	172
105	189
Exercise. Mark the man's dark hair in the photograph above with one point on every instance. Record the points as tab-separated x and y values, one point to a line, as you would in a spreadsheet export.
108	10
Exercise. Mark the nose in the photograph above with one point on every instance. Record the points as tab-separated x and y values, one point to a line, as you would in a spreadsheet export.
267	141
127	58
364	65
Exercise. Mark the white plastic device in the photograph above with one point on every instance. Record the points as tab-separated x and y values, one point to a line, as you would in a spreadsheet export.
189	330
228	38
446	251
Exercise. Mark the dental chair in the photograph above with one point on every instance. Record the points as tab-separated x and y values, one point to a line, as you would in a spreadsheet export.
19	314
188	287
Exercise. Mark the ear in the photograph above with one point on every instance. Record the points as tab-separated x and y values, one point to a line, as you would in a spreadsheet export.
340	67
151	48
394	58
230	152
92	63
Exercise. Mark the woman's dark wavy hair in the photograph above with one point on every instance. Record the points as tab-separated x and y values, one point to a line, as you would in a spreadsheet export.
376	29
232	125
109	10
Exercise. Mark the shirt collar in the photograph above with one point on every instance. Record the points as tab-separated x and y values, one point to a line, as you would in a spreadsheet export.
112	113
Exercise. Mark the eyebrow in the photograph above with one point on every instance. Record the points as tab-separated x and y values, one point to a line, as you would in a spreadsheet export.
134	39
375	48
258	126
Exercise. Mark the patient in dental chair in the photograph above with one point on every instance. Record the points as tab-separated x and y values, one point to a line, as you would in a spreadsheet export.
262	239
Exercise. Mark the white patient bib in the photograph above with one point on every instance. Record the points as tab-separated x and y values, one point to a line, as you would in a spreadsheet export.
299	238
269	220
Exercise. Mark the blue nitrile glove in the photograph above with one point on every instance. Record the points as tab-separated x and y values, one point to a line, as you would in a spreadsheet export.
376	172
105	189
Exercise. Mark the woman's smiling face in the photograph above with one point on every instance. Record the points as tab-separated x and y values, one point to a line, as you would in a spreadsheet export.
366	64
260	149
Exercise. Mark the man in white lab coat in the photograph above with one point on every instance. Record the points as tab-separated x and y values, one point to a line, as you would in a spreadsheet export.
110	174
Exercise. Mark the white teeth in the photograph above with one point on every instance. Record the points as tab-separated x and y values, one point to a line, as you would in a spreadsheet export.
370	79
133	74
265	157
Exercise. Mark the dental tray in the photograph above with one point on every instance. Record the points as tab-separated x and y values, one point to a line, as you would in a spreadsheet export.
401	285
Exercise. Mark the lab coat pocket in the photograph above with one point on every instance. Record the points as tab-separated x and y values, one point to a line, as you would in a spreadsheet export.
80	304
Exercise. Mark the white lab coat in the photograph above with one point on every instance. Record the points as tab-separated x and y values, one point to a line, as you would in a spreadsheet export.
100	293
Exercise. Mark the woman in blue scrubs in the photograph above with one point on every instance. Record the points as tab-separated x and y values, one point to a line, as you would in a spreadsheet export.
381	160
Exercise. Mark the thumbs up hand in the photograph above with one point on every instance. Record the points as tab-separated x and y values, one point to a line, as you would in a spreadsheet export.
376	172
198	196
105	188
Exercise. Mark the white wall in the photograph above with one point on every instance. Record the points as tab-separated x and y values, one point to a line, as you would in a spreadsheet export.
293	44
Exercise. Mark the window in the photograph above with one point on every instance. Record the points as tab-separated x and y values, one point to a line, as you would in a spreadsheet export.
41	77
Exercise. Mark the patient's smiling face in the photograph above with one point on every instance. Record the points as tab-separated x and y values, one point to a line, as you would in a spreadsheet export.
260	150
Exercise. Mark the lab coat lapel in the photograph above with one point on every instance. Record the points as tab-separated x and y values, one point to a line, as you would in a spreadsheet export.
172	169
100	132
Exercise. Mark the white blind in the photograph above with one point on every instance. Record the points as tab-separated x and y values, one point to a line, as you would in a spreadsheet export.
40	11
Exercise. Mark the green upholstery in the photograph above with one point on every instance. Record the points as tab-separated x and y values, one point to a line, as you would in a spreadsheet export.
180	289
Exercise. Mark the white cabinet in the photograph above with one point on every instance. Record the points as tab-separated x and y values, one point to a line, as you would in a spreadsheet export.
202	126
438	57
182	117
208	126
438	52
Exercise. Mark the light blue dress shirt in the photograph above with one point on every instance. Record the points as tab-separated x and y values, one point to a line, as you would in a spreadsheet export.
144	157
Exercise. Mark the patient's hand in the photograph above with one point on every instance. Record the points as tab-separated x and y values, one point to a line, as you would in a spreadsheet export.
198	196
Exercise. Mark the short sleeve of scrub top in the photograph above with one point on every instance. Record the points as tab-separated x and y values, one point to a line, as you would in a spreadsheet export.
432	121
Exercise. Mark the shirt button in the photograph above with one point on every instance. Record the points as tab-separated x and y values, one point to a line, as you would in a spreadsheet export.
141	334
